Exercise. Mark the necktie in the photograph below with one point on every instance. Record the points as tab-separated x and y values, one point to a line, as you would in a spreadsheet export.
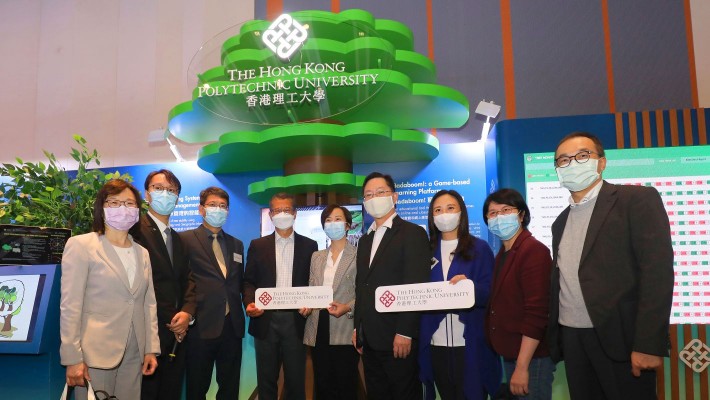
217	249
169	243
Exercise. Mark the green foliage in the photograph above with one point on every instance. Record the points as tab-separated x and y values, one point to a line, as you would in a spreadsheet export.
48	195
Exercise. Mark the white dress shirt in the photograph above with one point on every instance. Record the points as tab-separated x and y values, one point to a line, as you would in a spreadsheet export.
284	260
128	259
379	233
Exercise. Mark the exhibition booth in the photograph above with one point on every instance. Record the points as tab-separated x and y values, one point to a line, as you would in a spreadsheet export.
312	102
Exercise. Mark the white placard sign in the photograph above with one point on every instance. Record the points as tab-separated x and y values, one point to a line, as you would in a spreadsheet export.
425	296
293	297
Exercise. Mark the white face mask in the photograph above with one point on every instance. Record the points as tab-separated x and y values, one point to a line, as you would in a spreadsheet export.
576	176
283	220
378	207
447	222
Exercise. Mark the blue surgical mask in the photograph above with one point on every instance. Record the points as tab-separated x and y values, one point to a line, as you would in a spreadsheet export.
215	216
504	226
335	230
162	201
576	176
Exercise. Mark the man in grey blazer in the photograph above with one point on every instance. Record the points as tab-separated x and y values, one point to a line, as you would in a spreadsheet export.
612	281
215	340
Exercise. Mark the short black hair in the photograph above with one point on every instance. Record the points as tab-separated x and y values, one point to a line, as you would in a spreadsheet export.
213	190
169	176
509	197
331	207
110	188
597	142
283	196
386	177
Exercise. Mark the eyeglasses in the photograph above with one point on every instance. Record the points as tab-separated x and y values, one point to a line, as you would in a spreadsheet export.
377	193
119	203
502	211
223	206
160	188
581	158
286	210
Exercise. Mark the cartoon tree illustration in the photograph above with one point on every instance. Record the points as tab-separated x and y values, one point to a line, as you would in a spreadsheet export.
9	306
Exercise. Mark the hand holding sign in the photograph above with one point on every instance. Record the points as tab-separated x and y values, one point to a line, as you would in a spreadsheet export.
425	296
293	297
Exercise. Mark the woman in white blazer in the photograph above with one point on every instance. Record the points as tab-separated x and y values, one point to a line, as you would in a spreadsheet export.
108	321
329	331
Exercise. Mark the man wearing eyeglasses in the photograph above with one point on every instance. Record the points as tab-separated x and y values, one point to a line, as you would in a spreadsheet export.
215	340
282	259
612	288
393	252
168	261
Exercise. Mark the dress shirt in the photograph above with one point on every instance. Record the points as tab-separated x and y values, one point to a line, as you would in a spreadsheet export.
161	227
284	260
330	268
379	233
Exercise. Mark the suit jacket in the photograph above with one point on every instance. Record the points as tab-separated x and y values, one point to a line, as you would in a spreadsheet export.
98	307
626	272
211	289
170	278
260	272
341	329
403	257
520	297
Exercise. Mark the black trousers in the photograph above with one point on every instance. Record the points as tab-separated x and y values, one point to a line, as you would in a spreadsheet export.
448	365
334	366
387	377
204	355
591	375
283	345
167	381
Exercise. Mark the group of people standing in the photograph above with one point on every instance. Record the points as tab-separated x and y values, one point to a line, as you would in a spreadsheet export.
166	305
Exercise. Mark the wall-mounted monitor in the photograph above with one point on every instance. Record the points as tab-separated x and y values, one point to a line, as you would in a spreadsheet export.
682	177
308	224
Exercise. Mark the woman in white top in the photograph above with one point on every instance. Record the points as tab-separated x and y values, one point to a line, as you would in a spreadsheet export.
108	321
453	353
329	331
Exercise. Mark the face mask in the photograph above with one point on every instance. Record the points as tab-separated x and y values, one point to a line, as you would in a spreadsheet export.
121	218
215	216
578	176
283	220
335	230
447	222
504	226
162	201
378	207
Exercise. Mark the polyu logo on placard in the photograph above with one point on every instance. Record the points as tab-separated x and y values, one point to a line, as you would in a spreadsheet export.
265	298
284	36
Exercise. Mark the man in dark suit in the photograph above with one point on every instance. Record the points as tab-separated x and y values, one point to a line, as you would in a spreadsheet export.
217	272
282	259
394	252
612	281
170	281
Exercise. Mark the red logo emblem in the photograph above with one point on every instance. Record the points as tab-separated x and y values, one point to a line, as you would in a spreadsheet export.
265	298
387	298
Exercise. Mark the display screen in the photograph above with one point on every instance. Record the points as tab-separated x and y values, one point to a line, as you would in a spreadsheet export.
682	177
308	224
18	306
